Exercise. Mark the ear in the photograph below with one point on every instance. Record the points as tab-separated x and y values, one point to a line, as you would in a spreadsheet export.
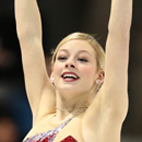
52	72
52	78
101	76
52	75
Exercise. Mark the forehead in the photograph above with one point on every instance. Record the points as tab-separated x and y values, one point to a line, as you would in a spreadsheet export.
77	45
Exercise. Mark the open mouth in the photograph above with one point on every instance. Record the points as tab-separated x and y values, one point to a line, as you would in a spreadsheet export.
69	76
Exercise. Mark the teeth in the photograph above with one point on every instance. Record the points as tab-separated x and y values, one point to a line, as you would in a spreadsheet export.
70	76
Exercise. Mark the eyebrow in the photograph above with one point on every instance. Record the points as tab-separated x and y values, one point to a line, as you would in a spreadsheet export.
80	51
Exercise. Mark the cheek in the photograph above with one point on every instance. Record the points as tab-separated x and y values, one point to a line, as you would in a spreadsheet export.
86	71
90	69
89	72
56	68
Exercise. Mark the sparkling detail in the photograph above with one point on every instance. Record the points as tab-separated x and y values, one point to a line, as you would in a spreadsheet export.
69	139
50	135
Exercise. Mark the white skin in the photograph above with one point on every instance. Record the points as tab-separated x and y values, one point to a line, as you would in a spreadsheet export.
76	56
102	121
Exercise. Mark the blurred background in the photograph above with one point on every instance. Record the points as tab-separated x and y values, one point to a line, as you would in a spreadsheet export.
61	18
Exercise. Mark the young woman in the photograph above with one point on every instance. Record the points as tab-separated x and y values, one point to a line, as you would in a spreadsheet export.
73	107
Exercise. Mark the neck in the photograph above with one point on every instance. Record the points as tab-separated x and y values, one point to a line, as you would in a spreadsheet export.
72	104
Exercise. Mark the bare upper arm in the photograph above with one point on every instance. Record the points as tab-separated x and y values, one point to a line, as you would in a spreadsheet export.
116	71
29	31
113	95
101	123
114	90
37	81
109	108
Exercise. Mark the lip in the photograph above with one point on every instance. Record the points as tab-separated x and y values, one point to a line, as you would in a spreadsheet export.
70	73
69	80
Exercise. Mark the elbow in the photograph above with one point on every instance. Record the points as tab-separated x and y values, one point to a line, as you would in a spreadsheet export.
120	29
25	37
122	32
121	35
27	34
22	35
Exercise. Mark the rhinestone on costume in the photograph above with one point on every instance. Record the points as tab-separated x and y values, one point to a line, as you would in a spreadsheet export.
49	135
69	139
45	140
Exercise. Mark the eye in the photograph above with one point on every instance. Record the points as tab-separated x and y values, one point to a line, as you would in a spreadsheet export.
83	60
62	58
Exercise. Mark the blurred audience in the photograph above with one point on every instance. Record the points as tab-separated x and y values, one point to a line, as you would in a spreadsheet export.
7	58
8	130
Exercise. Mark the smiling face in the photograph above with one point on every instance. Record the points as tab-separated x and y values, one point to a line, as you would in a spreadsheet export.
75	67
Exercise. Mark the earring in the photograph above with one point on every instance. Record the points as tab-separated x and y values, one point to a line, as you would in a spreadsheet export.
97	81
52	80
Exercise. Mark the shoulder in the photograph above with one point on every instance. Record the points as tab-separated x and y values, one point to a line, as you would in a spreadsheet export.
100	121
42	126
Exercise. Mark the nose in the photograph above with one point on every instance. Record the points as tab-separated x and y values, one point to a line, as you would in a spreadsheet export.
70	65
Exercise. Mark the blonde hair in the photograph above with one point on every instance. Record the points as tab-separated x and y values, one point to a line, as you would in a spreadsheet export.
100	54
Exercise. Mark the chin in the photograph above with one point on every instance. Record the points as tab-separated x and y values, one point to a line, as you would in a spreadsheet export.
70	90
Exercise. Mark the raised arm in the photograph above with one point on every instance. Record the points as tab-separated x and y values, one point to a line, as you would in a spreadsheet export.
113	96
29	30
108	110
117	54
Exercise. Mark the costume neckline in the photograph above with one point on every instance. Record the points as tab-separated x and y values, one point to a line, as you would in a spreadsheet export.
50	135
54	124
